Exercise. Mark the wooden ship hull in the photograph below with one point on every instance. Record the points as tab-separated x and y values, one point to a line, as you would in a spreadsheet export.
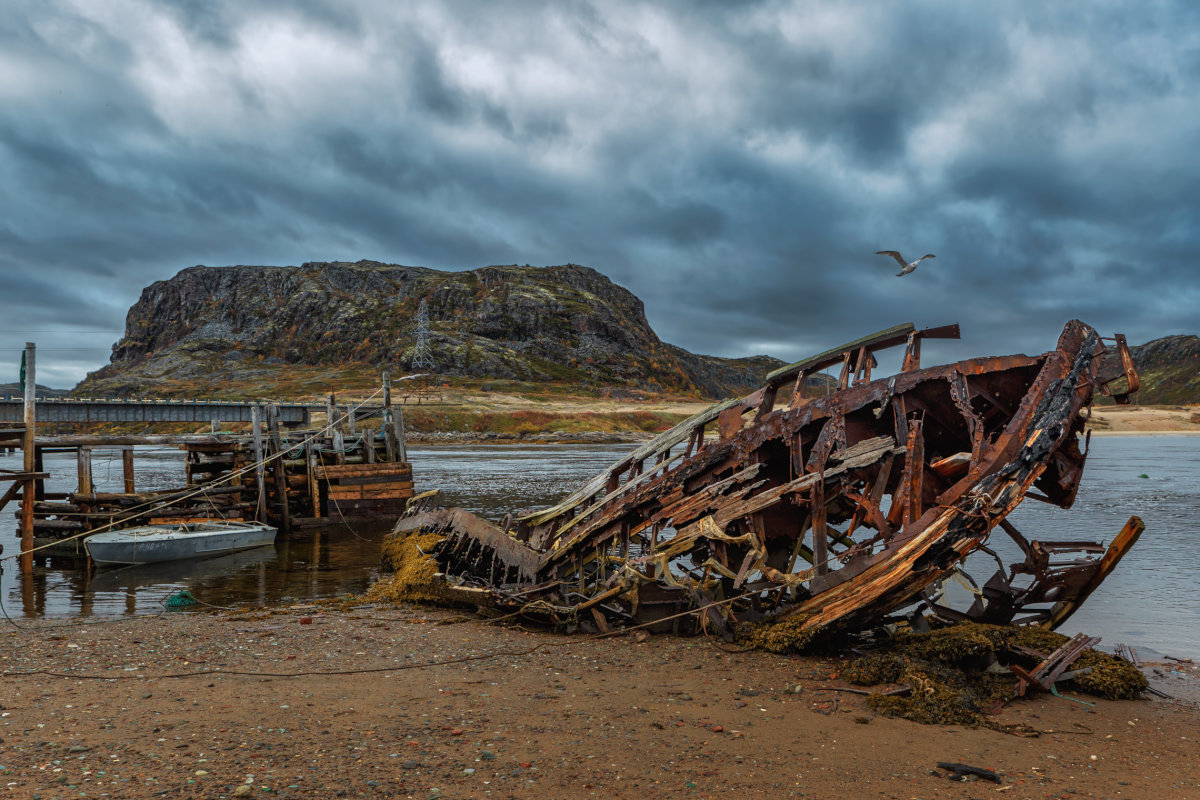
835	508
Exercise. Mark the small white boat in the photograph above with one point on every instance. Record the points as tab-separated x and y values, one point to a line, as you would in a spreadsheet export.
147	544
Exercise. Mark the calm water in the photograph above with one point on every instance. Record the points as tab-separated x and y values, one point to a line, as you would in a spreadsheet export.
1150	600
304	565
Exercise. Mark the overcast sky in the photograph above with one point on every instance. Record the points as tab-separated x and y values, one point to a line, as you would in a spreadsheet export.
734	164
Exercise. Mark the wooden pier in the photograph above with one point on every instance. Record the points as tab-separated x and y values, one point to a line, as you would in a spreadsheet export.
353	471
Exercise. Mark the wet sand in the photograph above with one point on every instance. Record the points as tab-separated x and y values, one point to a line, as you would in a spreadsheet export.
459	708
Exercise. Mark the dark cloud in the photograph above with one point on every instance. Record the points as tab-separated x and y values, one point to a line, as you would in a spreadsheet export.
735	165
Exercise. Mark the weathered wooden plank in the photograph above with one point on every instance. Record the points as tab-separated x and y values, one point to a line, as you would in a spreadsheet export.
310	478
127	469
285	514
259	475
663	441
876	341
820	534
372	480
388	494
330	471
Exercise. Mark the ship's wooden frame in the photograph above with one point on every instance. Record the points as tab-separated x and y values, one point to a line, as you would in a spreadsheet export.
834	510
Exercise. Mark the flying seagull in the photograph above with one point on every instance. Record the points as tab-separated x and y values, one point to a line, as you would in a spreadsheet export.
905	266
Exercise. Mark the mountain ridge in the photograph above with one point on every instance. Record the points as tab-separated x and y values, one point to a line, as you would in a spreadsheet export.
207	328
560	323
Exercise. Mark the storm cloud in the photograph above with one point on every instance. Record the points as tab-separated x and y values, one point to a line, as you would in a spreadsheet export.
735	165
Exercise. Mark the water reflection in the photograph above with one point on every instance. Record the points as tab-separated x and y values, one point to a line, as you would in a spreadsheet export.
329	561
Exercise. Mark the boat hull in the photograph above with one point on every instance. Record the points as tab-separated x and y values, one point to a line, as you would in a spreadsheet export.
150	544
838	505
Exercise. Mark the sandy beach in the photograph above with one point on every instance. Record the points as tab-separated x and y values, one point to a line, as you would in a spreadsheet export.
406	702
1144	420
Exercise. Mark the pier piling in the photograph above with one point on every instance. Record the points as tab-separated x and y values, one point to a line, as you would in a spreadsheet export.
29	490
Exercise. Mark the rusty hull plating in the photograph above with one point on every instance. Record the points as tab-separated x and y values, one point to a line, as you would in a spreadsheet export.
839	507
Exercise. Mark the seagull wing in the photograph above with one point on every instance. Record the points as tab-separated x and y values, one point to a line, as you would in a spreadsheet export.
899	258
927	255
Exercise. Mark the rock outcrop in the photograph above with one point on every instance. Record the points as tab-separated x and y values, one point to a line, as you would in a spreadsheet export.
1170	370
564	323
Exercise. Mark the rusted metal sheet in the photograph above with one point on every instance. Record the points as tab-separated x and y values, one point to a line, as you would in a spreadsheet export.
836	511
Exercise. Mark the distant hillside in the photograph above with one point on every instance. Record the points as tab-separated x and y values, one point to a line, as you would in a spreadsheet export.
14	390
563	324
1170	370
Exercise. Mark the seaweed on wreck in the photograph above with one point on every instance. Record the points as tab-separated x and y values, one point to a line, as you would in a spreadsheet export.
788	636
414	570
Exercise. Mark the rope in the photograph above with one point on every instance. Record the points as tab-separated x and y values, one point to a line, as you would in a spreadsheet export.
336	505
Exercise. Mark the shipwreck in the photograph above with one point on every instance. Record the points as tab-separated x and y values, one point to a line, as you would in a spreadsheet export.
839	506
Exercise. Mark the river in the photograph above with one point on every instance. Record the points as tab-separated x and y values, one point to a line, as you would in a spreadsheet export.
1150	600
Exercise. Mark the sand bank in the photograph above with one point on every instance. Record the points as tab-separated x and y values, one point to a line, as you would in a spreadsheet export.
513	713
1144	420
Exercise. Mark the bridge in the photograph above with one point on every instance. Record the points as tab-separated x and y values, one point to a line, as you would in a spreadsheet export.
89	409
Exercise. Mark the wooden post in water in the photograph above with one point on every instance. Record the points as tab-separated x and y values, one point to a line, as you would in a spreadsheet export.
260	510
83	457
389	440
127	468
401	444
285	520
314	489
29	490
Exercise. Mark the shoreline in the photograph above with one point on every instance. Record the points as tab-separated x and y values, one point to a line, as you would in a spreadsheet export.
1144	420
1145	433
442	705
1105	421
453	439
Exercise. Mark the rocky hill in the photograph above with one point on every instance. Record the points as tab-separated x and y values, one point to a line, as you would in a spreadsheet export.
564	324
1170	370
14	390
